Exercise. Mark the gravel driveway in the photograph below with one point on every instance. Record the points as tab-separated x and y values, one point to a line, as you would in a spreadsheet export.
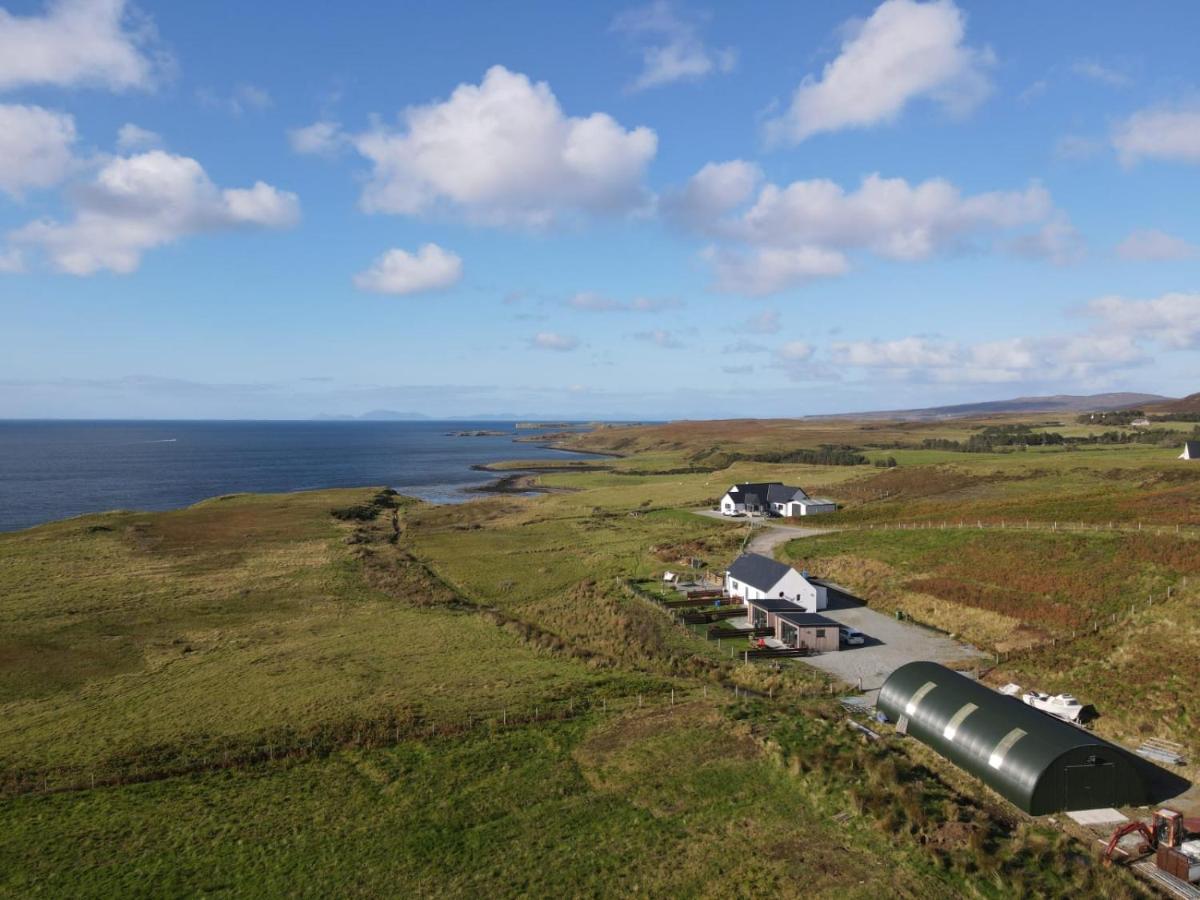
890	642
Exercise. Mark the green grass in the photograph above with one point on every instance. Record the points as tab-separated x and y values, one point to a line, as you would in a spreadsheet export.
665	802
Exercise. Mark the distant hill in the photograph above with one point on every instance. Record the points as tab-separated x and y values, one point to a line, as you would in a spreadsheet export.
1188	404
1057	403
375	415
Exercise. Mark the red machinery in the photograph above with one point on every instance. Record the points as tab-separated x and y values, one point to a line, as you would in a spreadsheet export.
1168	828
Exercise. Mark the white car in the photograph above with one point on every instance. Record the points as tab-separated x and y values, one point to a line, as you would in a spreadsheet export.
852	636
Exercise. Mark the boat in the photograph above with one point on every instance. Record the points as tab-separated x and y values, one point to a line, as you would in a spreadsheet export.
1061	706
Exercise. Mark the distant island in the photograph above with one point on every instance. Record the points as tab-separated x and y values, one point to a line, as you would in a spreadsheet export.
482	432
374	415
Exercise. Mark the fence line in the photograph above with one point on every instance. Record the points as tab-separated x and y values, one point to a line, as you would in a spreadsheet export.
1188	531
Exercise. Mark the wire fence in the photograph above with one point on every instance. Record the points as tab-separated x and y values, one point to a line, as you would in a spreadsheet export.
365	733
1179	529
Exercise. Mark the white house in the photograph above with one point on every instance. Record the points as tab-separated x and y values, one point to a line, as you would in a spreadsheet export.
772	499
753	577
1191	450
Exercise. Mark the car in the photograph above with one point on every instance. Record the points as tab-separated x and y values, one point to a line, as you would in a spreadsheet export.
734	515
852	636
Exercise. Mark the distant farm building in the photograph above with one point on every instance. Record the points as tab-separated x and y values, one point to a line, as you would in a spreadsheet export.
1191	450
773	498
1039	763
767	585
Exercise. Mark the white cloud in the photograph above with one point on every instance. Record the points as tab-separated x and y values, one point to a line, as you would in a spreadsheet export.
803	230
590	301
1153	245
148	200
1088	68
797	351
674	50
551	340
36	148
1082	357
79	43
322	138
1173	319
134	137
504	152
399	272
904	51
712	192
1163	134
772	269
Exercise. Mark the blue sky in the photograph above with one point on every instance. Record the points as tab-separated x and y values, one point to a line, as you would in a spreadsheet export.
593	210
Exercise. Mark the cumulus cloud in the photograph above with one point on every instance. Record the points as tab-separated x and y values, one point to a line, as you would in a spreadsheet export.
1153	245
36	148
139	202
552	340
904	51
590	301
672	48
1171	134
75	43
783	236
134	137
712	192
323	138
503	152
399	272
769	270
1173	319
797	351
1073	357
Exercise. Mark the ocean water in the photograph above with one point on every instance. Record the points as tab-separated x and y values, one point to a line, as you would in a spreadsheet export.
53	469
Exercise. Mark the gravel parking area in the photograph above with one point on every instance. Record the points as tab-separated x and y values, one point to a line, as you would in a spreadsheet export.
890	644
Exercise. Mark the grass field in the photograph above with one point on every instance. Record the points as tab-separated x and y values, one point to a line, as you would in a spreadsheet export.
437	700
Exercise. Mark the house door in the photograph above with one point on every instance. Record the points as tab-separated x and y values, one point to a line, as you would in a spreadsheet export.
1091	786
790	635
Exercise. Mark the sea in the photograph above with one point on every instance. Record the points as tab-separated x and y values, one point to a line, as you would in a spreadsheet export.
54	469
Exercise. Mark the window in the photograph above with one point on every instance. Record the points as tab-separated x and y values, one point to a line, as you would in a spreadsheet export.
820	633
790	635
760	618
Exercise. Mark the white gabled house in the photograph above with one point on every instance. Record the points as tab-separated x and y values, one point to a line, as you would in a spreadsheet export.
772	498
767	585
1191	450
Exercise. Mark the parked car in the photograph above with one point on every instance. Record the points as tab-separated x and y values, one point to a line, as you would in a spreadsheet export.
852	636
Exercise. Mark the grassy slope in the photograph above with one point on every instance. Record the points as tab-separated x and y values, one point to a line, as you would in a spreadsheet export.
252	618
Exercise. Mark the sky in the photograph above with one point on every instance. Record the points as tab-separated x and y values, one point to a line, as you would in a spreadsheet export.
672	210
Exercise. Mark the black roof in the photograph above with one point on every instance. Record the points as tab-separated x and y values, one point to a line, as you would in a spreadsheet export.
763	492
1039	763
772	604
760	572
808	620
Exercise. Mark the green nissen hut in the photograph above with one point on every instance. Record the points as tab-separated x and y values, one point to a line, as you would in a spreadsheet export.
1037	762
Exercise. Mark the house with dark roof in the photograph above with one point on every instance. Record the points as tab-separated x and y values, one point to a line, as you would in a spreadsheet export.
1191	450
772	498
769	585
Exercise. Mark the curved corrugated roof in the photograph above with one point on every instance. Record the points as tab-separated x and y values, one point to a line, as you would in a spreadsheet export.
1021	752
